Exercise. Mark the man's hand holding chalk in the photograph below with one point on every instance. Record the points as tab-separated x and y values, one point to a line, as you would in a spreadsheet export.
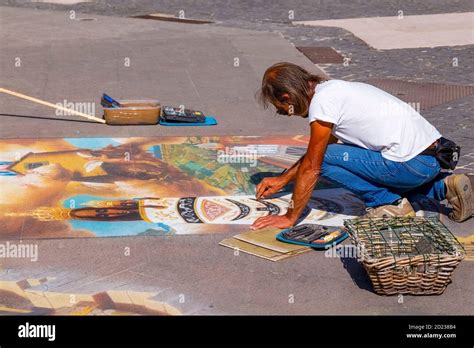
271	185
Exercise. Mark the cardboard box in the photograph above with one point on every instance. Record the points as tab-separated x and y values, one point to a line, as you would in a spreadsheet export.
134	112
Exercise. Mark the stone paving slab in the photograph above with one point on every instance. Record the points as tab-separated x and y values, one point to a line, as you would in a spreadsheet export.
214	69
401	31
263	10
215	281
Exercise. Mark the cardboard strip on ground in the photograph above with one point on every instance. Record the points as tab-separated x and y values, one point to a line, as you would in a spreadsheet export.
260	251
266	238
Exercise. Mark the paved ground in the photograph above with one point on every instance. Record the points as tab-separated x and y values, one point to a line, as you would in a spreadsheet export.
407	31
167	61
261	11
451	65
194	65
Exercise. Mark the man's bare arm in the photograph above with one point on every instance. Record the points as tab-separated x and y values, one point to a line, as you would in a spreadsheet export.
309	169
307	174
290	173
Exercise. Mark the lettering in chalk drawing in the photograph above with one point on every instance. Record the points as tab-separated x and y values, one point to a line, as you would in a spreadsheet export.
273	209
186	210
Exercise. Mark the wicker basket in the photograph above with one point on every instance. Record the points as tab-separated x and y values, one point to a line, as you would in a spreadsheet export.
414	256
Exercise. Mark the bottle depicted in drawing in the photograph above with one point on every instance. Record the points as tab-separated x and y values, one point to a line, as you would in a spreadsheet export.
208	210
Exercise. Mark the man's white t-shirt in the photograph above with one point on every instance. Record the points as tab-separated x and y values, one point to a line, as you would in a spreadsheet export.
368	117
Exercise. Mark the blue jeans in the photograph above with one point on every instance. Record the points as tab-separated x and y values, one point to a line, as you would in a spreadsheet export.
379	181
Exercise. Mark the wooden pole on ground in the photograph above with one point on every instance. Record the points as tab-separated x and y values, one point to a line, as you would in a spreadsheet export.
51	105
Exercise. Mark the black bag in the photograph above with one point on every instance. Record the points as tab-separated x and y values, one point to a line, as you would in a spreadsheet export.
447	153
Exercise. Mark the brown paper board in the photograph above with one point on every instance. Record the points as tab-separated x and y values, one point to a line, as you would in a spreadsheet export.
288	255
249	248
260	251
266	238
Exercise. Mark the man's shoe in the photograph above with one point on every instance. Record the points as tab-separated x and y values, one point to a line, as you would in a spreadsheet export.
403	208
459	196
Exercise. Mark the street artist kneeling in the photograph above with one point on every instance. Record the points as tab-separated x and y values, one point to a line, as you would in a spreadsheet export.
365	140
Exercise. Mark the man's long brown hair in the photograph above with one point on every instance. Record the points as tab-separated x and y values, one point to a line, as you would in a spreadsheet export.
291	79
